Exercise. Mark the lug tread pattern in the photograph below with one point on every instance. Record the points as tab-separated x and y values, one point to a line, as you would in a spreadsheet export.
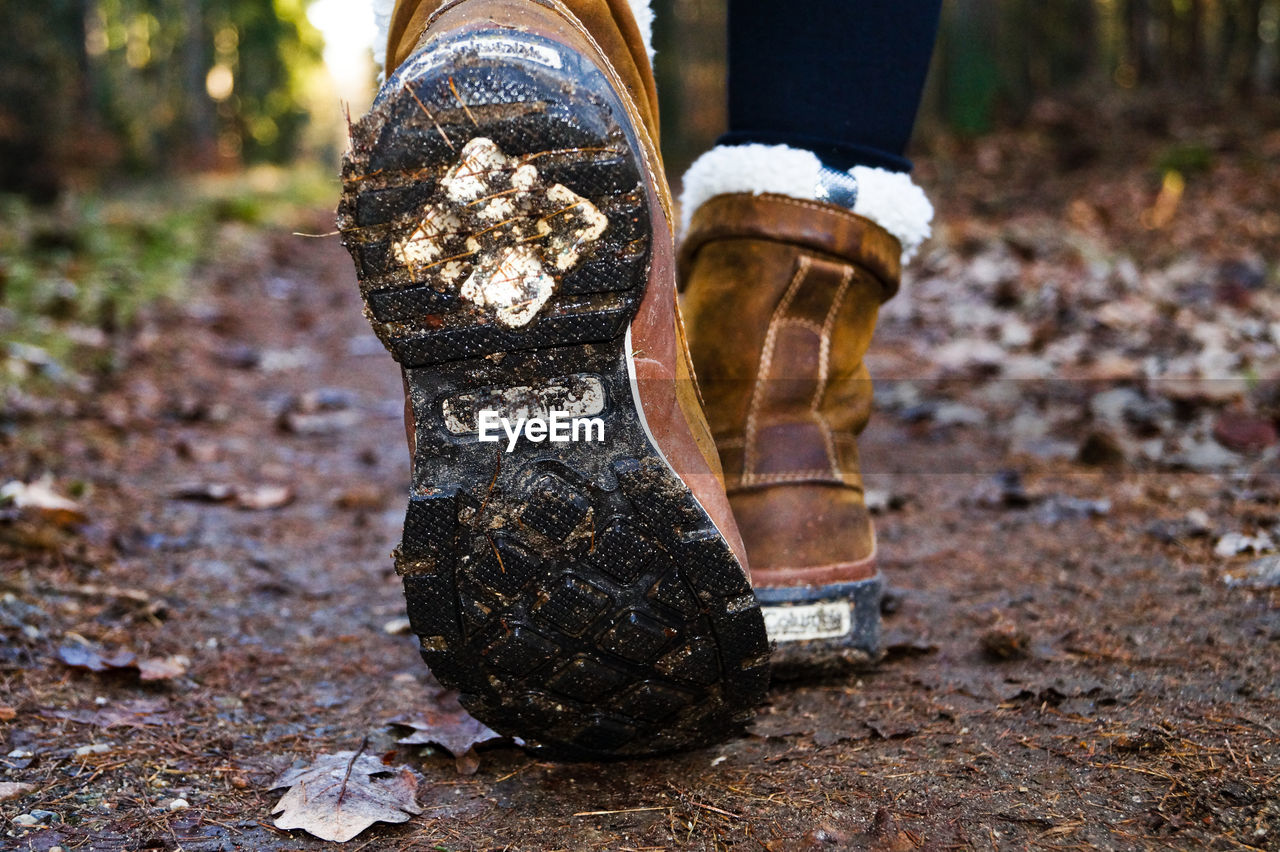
396	172
603	651
426	347
410	303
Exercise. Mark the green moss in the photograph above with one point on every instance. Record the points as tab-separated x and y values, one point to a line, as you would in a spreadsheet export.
75	276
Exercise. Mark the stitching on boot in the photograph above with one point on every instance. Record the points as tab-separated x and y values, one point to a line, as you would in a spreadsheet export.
766	364
824	370
821	476
801	322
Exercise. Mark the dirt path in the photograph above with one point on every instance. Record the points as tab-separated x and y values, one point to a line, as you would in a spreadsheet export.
1063	671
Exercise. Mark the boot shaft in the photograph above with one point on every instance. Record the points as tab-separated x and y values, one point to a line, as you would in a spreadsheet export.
782	297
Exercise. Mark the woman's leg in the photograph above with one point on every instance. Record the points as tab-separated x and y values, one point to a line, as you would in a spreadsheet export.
843	79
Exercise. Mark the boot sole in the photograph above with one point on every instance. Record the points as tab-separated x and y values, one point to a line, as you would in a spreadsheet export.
824	631
576	594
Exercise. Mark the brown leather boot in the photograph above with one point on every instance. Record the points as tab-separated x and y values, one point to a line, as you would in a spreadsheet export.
509	218
781	297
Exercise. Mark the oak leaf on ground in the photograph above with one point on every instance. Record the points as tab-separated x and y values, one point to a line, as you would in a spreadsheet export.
340	795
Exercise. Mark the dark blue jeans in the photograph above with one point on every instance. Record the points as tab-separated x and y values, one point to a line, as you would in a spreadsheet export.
841	78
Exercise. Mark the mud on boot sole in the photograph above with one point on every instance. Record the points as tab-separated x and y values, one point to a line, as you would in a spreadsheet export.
576	594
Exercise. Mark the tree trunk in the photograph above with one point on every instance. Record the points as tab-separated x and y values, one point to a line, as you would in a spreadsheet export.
201	128
1137	26
1250	45
1196	42
973	73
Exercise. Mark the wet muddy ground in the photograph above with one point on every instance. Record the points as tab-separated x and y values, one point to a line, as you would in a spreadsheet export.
1074	657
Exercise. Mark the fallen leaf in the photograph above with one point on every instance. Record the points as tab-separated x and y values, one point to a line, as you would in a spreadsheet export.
145	712
1235	543
340	795
361	497
205	492
7	713
319	424
264	497
450	727
246	497
162	668
84	656
38	498
14	790
1244	433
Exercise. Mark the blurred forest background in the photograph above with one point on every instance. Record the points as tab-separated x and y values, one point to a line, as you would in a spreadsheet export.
131	128
91	90
995	59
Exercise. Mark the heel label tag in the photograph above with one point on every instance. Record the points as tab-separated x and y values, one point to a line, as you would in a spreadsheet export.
826	620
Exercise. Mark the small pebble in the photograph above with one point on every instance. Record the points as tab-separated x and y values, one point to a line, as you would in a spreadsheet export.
96	748
396	627
1235	543
1198	521
25	820
44	816
179	805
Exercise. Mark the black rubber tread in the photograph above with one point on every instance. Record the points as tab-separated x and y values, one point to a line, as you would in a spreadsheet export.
576	594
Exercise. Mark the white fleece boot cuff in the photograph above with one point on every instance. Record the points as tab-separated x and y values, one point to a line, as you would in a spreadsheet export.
890	199
382	10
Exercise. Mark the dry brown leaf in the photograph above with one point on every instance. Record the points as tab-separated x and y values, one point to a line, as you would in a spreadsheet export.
14	790
340	795
162	668
38	498
450	727
205	492
264	497
7	713
141	713
255	497
84	656
361	497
